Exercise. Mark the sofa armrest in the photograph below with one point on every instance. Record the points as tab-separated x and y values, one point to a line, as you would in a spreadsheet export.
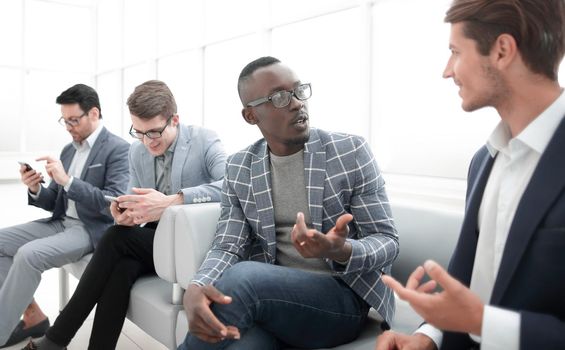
195	228
182	239
164	244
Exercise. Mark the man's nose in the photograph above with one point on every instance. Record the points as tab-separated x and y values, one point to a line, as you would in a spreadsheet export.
448	71
295	103
147	140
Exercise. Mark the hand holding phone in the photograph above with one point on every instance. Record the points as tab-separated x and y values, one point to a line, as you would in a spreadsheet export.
111	199
29	168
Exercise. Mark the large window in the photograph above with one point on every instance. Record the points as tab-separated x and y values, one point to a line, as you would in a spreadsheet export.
47	46
419	126
375	67
329	57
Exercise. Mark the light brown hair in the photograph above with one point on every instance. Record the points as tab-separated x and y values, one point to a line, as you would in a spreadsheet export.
151	99
538	26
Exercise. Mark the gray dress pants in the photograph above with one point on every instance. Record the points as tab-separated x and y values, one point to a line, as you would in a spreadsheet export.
26	251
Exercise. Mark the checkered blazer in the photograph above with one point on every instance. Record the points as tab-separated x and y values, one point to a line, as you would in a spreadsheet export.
341	177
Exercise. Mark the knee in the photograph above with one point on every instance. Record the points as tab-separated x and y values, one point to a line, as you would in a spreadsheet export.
114	235
241	276
29	256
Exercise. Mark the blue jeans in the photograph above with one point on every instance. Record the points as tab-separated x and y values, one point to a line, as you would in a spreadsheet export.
275	307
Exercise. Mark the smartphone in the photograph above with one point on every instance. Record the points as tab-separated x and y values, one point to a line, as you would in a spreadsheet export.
29	168
110	198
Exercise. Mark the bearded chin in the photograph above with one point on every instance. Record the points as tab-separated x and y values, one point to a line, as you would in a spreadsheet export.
302	139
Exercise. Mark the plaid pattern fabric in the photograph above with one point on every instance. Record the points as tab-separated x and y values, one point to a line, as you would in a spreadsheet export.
342	177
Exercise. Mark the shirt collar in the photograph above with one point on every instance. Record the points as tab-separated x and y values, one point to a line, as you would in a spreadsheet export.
91	139
536	135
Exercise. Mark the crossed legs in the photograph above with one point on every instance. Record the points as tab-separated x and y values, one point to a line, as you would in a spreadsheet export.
275	306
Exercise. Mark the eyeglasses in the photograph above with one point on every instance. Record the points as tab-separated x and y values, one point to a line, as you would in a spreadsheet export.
72	121
281	99
152	134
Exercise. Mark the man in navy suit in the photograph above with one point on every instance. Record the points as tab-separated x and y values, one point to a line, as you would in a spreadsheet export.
304	231
93	165
505	285
170	164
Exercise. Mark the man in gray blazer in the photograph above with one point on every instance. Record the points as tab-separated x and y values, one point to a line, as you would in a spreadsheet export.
93	165
171	164
304	233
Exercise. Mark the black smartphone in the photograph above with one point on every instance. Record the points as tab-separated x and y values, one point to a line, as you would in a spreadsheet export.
29	168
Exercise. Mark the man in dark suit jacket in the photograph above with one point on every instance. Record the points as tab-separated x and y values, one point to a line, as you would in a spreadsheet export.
506	279
304	232
93	165
171	164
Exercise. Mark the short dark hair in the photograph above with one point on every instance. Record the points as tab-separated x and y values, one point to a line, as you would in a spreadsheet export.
84	95
250	68
151	99
538	26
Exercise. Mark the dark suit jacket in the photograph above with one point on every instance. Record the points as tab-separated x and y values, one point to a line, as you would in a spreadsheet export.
531	278
105	173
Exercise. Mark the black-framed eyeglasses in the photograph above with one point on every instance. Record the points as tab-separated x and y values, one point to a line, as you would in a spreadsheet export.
72	121
152	134
281	99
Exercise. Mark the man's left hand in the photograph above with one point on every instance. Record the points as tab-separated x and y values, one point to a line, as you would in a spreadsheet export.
455	309
147	204
313	244
55	170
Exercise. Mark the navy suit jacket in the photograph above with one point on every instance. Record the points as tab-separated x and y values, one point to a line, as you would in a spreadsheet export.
531	278
105	173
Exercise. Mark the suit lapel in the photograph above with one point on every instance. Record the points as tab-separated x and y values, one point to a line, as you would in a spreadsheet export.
315	174
67	157
546	184
179	158
98	144
261	186
461	264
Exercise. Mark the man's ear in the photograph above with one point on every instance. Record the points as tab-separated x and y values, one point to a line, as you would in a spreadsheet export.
94	112
504	51
175	120
249	116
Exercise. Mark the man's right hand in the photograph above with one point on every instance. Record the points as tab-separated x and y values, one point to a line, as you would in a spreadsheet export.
121	217
390	340
201	321
31	179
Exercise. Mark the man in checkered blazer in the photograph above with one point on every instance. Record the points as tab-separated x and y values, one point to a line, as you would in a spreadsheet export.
304	233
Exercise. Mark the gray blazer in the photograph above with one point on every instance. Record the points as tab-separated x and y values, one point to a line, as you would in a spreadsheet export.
199	159
105	173
341	176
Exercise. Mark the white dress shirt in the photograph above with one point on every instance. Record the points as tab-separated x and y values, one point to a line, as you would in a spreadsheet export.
511	172
76	167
